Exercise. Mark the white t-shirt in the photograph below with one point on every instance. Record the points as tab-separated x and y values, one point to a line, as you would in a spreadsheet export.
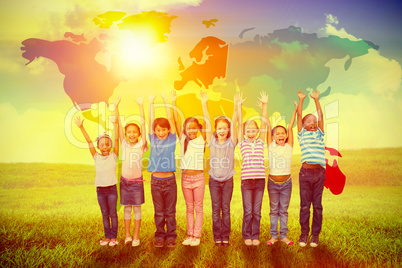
131	167
280	159
105	169
194	157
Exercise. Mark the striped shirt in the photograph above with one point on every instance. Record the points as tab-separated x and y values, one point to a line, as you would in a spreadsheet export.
312	147
253	159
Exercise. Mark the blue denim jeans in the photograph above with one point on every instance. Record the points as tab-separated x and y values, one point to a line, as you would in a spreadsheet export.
131	192
311	184
252	191
164	197
279	198
107	199
221	195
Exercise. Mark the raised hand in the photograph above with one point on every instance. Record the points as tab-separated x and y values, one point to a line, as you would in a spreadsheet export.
78	121
315	94
164	97
204	97
139	100
301	94
263	97
173	95
117	102
151	98
295	105
239	98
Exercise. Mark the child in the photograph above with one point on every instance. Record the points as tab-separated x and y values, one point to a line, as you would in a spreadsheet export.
192	166
222	145
131	182
280	147
252	173
312	173
163	181
105	180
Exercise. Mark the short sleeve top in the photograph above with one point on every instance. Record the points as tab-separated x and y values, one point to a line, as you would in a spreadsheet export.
162	157
221	159
105	169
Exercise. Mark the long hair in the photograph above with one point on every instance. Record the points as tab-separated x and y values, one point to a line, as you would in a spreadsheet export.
222	119
187	140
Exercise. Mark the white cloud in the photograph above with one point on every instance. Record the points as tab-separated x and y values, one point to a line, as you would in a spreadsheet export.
331	19
330	29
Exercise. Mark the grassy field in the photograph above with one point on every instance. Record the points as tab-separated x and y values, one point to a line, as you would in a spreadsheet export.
50	217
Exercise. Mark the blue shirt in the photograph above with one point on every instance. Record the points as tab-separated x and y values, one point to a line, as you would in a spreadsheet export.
162	157
312	147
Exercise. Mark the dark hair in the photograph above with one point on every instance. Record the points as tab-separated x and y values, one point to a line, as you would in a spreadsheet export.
247	123
223	119
305	118
187	140
106	136
162	122
134	125
274	129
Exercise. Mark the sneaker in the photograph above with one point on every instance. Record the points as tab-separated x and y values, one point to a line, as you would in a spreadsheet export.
159	243
248	242
136	243
256	242
171	243
187	241
218	243
127	240
314	241
225	243
195	242
303	241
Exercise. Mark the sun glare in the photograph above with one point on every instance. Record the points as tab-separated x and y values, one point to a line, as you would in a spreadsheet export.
137	50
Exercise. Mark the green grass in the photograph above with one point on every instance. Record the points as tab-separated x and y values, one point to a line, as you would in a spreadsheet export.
50	217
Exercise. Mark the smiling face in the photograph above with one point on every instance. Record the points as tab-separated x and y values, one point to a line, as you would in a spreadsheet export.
192	129
251	130
105	145
310	122
222	130
280	135
132	134
161	132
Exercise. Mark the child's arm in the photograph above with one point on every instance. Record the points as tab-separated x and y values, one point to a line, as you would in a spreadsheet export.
140	102
207	133
151	113
176	119
315	95
117	114
290	127
263	101
80	124
240	118
233	129
116	128
300	110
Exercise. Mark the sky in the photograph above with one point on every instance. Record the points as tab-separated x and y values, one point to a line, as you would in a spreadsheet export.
289	45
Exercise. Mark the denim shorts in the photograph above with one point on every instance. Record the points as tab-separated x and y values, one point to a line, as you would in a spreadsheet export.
131	192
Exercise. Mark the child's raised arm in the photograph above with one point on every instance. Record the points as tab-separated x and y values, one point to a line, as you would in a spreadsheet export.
290	127
121	133
176	124
140	102
80	124
300	110
116	127
207	133
263	104
151	113
240	117
233	129
315	95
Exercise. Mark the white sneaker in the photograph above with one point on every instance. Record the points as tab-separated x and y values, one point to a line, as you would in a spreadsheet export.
187	241
256	242
248	242
136	243
195	242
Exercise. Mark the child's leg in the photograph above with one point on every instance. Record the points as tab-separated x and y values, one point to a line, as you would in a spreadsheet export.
284	200
188	194
103	204
257	204
274	194
198	192
137	221
247	189
112	203
306	193
127	220
227	192
170	199
215	192
159	207
318	188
